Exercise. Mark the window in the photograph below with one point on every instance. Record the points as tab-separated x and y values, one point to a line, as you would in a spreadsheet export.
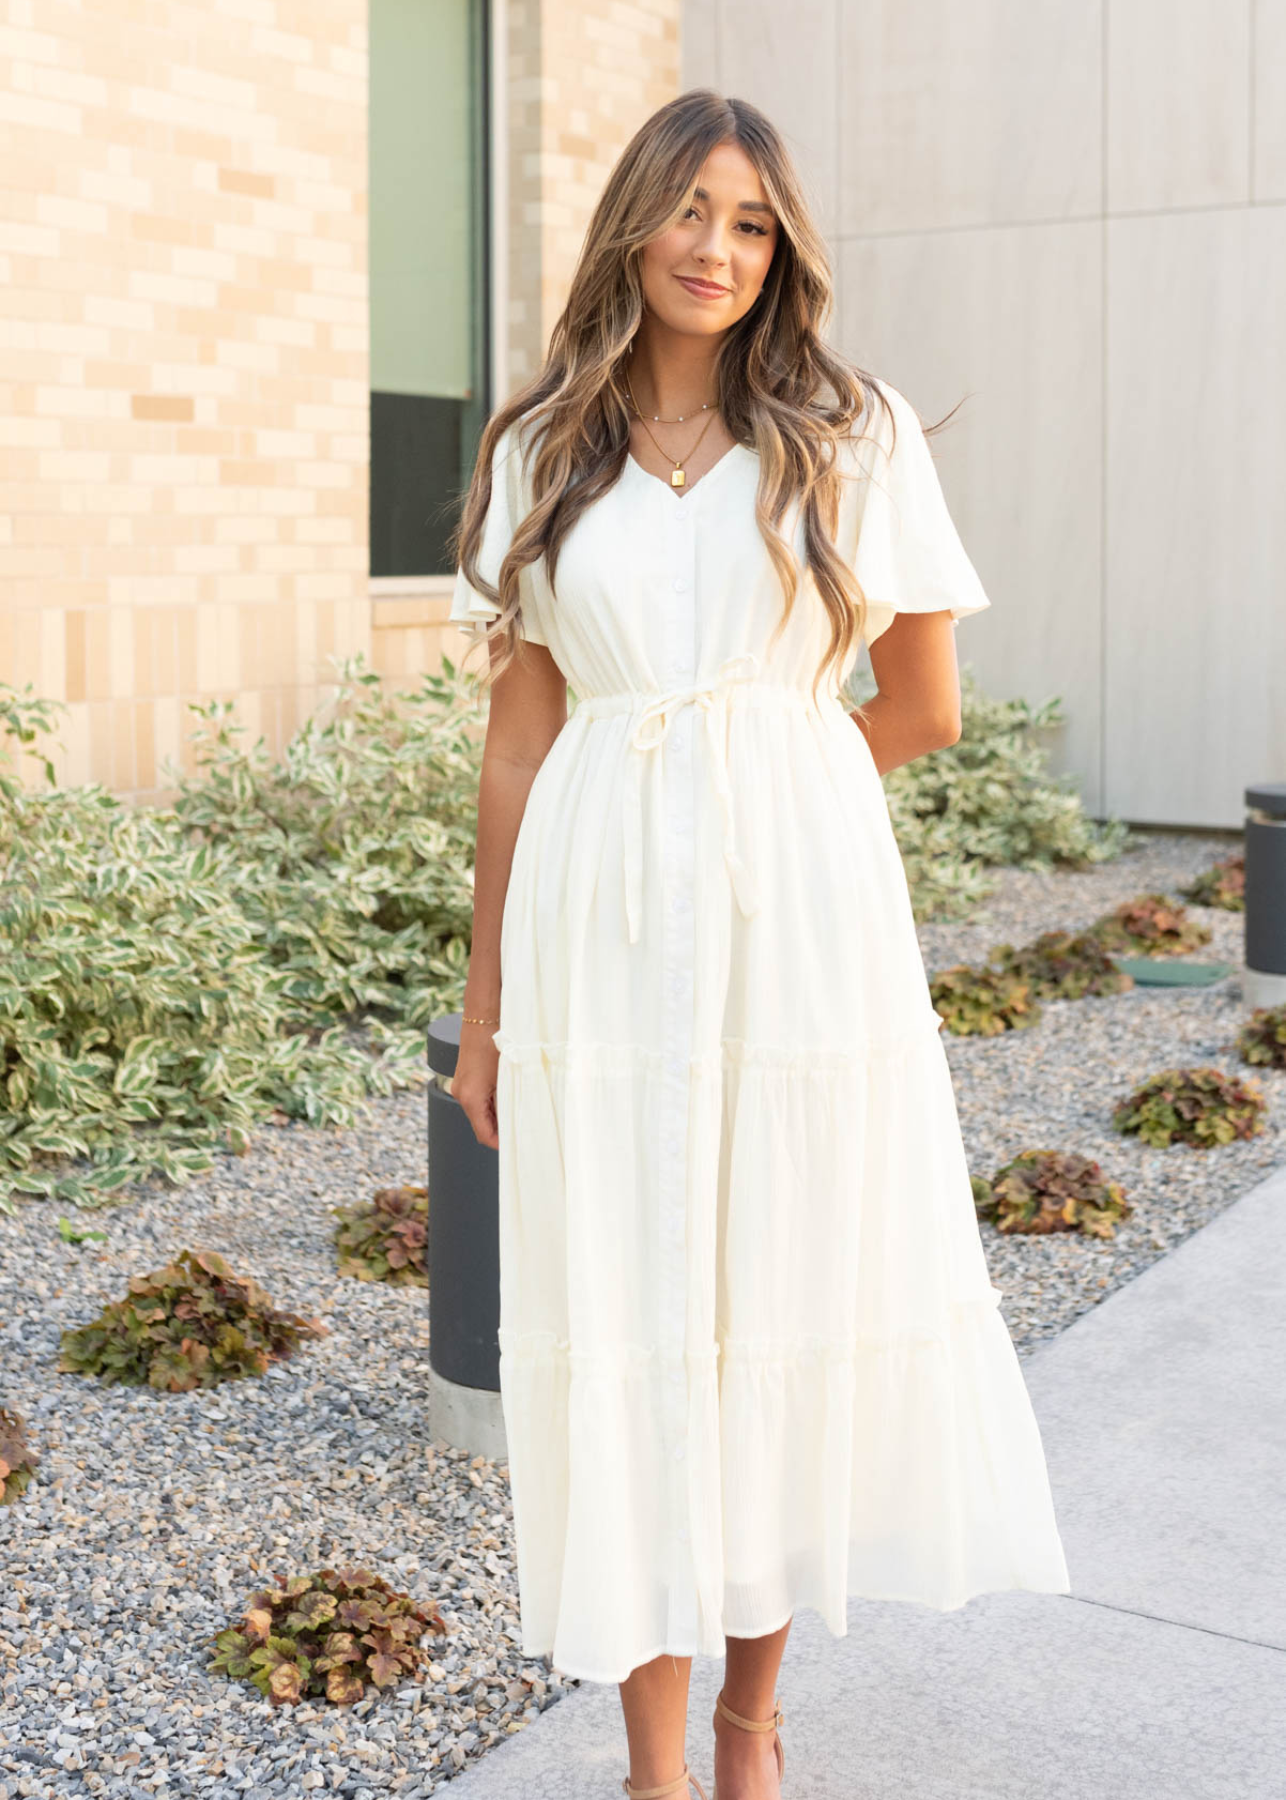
429	272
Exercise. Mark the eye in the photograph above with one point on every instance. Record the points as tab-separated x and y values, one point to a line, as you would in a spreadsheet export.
758	230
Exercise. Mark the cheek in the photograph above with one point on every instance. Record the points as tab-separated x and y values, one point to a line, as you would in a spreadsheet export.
661	255
759	259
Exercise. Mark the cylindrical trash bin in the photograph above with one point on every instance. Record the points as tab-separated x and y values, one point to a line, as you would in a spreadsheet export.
463	1265
1265	977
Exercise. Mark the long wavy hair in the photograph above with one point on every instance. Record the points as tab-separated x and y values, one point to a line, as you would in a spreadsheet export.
782	391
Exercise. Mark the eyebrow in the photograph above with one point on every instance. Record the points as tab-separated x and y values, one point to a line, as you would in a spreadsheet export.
759	206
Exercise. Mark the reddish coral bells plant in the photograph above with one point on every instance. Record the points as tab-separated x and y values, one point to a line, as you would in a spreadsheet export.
191	1324
1052	1190
1263	1040
1150	923
1062	965
1223	884
333	1633
385	1241
1202	1107
17	1459
983	1001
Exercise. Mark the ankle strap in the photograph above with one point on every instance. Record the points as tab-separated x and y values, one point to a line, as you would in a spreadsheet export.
666	1787
722	1706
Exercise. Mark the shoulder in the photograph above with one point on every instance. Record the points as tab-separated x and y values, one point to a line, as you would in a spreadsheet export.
887	420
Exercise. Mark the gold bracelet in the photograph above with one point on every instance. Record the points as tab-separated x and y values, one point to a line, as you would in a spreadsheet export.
468	1021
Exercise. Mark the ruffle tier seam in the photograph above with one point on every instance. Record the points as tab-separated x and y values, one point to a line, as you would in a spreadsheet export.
796	1351
603	1057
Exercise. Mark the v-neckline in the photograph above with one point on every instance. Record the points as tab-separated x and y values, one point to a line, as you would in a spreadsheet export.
681	494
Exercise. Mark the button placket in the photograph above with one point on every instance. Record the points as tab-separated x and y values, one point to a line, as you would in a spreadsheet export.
678	876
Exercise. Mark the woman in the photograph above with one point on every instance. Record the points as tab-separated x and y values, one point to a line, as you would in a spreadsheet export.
751	1359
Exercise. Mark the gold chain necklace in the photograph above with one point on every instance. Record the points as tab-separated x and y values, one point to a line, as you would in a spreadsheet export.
656	417
678	475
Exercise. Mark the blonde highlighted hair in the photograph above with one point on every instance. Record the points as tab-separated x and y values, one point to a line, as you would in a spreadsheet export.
782	391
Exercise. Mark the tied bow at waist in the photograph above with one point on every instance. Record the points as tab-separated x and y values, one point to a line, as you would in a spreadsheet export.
655	715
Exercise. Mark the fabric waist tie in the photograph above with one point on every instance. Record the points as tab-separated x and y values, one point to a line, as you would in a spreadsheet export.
656	711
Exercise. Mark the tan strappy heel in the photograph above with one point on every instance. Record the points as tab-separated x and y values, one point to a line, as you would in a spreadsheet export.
723	1709
680	1782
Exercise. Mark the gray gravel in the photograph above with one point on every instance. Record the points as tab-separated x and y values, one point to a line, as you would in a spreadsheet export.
1056	1085
154	1517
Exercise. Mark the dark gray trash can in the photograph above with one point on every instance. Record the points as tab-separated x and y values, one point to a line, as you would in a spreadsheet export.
463	1265
1265	983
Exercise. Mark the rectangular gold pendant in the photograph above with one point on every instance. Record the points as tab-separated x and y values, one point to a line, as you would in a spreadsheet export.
677	478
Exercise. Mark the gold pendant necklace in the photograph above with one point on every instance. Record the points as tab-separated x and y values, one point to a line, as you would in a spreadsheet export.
678	475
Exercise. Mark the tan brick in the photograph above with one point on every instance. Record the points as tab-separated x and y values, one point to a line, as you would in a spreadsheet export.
74	627
120	652
144	748
176	408
143	619
78	766
122	740
185	649
165	733
164	650
98	672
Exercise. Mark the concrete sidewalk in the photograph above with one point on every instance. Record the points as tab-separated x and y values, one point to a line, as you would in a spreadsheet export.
1162	1676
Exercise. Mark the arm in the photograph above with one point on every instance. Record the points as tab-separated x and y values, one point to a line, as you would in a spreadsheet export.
528	708
917	708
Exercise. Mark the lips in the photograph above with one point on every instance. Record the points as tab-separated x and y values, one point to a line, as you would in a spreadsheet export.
708	290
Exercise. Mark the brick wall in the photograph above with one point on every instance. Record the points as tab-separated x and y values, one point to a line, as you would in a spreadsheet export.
584	76
183	326
184	444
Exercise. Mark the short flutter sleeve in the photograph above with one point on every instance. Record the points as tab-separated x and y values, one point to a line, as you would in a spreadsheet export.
508	507
908	555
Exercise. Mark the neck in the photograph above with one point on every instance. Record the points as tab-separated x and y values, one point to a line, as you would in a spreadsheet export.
671	372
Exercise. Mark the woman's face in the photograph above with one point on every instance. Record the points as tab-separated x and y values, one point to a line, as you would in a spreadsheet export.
725	239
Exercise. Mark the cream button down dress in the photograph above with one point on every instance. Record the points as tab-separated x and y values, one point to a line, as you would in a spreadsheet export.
750	1356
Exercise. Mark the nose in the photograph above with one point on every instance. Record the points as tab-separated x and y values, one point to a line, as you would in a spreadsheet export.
707	248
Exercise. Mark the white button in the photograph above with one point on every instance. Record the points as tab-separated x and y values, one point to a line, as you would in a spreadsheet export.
675	1146
680	585
683	1534
676	1067
679	1453
679	903
676	1374
677	736
679	980
681	512
676	672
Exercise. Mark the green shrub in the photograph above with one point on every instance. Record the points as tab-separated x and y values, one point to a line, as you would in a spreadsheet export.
983	1001
273	945
353	853
989	800
1150	924
1223	885
331	1633
189	1325
141	1027
17	1459
385	1240
1201	1107
1062	965
1051	1190
1263	1040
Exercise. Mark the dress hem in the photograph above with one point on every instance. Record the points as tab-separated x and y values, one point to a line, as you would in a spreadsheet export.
546	1653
